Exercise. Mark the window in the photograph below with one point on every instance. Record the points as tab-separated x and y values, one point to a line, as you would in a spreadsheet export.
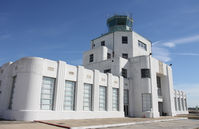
142	45
185	101
179	107
126	97
69	97
175	103
102	98
158	82
47	93
91	58
107	71
145	73
93	45
115	99
12	92
102	43
124	40
182	100
124	73
87	100
146	102
108	55
125	55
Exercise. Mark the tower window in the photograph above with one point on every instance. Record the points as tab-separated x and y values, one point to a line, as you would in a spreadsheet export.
91	58
107	71
142	45
93	45
125	55
145	73
124	73
108	55
124	39
102	43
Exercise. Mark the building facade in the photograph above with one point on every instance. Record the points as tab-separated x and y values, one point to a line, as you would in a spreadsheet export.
119	77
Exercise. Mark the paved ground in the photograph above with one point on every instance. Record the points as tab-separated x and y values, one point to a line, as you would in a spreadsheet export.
175	124
103	121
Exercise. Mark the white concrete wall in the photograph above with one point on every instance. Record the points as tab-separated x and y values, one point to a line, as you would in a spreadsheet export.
26	100
138	51
181	95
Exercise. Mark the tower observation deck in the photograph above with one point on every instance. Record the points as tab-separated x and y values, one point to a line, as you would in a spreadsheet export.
119	23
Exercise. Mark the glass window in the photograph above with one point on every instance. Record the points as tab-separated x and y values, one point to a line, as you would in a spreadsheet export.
179	107
115	99
102	98
145	73
185	101
124	40
108	55
87	100
47	93
69	97
146	102
107	71
125	55
12	92
175	101
102	43
124	73
142	45
126	97
91	58
182	103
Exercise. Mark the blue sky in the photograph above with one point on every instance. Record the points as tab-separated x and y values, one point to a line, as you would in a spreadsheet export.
62	30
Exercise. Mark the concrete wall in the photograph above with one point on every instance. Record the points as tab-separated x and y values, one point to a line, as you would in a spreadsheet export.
181	102
26	98
113	43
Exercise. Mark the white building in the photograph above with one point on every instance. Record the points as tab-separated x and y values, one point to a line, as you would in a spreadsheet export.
119	78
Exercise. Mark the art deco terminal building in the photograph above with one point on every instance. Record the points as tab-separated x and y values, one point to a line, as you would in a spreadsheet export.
119	78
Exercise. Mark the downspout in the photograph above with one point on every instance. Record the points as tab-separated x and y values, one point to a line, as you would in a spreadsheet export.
151	84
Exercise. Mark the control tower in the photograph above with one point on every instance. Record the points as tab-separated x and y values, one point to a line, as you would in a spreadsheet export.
119	23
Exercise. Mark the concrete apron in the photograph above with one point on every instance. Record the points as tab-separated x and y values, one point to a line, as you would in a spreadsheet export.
111	125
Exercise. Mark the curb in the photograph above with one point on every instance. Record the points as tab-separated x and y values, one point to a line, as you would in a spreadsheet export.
61	126
125	124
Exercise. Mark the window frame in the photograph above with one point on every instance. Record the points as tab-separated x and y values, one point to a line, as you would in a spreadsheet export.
105	99
73	100
124	73
107	71
142	45
124	39
145	106
145	73
117	99
51	94
108	55
125	55
103	43
14	80
90	97
91	58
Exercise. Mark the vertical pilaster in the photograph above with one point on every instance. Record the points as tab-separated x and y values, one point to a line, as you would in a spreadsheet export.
95	99
59	87
109	92
79	89
121	96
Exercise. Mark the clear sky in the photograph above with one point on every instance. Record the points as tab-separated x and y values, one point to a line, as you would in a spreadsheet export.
62	30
